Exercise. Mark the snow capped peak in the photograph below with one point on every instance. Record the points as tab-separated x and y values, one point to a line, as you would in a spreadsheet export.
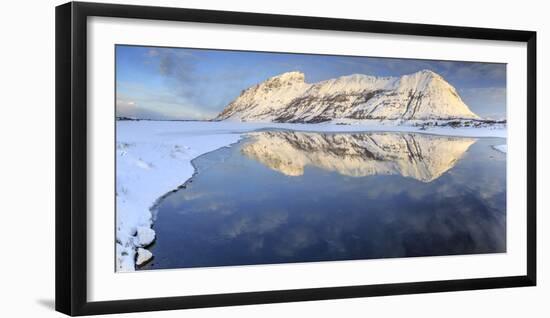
355	78
424	74
427	72
258	101
288	77
353	83
416	81
288	98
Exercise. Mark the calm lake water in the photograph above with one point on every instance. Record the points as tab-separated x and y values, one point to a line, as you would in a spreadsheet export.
282	197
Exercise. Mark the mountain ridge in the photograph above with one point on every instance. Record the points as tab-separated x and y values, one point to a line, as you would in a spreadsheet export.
287	97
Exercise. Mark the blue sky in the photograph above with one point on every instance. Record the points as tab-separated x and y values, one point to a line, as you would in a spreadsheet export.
172	83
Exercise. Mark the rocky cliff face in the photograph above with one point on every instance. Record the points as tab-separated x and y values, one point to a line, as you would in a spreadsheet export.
421	157
288	98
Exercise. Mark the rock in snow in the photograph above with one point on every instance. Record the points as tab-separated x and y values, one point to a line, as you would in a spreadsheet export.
143	256
145	235
288	98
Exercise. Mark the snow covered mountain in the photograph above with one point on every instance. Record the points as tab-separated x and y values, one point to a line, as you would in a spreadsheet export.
418	156
287	97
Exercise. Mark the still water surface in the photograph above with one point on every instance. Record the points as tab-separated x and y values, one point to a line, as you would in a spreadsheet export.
283	196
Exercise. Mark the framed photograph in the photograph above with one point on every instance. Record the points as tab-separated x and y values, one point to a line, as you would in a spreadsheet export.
208	158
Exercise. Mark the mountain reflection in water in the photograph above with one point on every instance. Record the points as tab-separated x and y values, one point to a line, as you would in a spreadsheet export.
422	157
284	197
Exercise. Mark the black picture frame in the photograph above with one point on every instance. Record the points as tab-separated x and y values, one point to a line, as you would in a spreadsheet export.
71	157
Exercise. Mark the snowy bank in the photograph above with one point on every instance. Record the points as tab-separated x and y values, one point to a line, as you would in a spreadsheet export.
154	158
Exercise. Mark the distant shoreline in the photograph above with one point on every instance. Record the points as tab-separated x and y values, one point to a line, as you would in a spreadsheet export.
486	121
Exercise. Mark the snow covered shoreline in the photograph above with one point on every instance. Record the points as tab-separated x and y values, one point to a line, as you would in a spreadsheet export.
154	158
